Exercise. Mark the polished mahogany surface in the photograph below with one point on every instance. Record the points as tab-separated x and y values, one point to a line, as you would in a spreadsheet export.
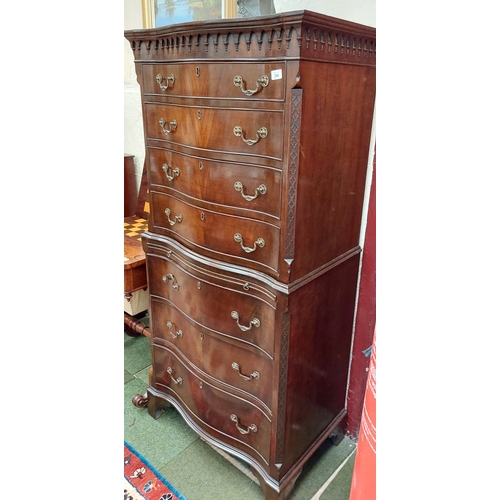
257	136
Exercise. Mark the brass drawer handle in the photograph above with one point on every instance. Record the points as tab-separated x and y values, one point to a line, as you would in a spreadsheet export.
174	380
174	334
239	239
174	173
261	134
238	186
263	81
255	322
171	125
170	80
178	218
170	276
251	427
254	374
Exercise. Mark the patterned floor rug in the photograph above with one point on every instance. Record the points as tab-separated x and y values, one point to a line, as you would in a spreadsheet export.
142	481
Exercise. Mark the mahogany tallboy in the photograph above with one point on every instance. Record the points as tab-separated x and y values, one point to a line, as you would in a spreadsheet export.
257	133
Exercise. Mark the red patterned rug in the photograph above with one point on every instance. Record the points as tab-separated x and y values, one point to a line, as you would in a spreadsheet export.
142	481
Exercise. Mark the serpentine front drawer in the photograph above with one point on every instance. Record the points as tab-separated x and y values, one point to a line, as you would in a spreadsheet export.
254	189
240	240
250	81
240	131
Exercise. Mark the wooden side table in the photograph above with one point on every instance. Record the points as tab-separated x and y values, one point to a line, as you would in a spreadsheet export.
134	265
135	279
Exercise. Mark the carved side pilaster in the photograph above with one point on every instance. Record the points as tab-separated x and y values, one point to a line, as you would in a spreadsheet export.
285	342
293	168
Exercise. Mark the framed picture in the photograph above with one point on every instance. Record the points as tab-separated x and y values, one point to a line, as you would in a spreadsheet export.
157	13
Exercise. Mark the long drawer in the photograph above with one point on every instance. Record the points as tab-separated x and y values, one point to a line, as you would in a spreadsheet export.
248	370
235	239
240	131
250	187
214	303
252	81
235	418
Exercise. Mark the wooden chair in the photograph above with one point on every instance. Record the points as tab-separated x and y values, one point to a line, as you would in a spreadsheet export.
136	296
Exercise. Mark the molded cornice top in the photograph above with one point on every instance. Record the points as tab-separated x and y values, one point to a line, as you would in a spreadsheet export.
299	34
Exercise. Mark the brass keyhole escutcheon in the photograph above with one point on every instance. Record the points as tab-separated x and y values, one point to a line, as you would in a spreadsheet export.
197	71
198	115
202	216
200	165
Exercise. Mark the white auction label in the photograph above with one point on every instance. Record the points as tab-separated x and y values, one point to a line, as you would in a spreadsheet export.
276	74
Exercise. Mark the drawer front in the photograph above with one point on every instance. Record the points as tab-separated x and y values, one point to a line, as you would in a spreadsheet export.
235	239
252	81
216	408
213	305
224	361
249	187
213	129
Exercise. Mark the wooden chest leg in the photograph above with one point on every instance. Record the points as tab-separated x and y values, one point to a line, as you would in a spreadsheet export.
156	405
284	493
